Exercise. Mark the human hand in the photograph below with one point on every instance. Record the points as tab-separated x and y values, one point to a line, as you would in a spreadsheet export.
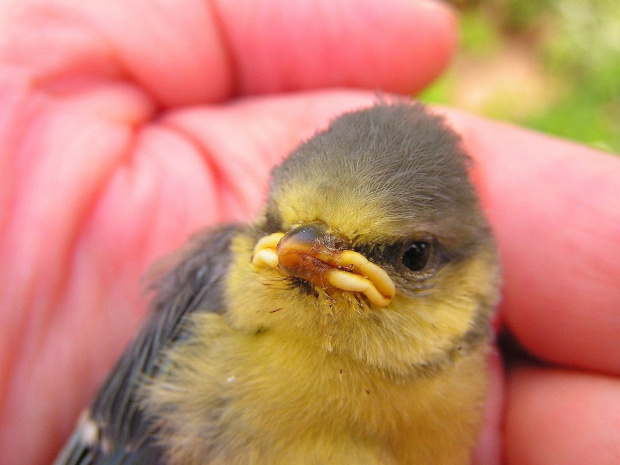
167	154
127	126
555	211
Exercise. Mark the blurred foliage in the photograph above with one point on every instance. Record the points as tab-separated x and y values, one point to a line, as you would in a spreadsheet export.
550	65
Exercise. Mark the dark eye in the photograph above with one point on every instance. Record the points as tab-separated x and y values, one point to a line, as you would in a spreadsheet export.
417	255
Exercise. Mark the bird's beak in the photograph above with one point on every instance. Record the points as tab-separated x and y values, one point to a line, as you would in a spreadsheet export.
323	258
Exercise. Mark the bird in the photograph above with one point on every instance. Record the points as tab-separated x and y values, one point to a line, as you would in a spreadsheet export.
349	323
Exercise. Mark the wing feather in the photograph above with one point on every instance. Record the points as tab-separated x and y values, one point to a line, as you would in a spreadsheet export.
114	430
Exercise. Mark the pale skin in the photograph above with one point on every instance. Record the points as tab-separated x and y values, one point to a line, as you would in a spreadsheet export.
116	145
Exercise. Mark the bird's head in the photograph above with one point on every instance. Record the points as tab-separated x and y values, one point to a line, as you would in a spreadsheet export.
372	244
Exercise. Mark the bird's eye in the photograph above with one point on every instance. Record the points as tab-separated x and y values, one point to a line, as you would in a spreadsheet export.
417	255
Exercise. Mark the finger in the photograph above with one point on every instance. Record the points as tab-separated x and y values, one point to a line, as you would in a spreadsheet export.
196	51
562	417
395	45
555	208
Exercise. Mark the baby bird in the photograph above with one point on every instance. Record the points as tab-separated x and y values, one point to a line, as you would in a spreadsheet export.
349	324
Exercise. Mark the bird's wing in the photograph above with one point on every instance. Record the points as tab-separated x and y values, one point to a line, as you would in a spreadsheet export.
114	430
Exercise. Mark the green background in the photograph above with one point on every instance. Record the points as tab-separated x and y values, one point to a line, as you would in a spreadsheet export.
549	65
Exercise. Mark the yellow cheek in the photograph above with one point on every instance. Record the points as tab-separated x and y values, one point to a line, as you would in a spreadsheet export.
256	298
454	313
464	295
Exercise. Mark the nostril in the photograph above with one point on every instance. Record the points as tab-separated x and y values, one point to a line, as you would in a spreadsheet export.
316	236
